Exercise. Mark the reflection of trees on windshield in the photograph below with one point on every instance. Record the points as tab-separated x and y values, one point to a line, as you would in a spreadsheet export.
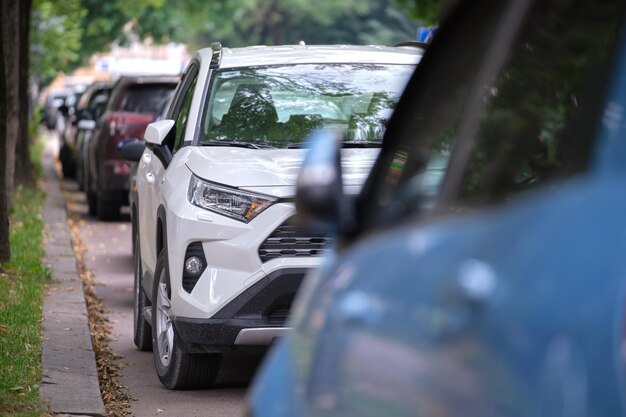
281	106
533	127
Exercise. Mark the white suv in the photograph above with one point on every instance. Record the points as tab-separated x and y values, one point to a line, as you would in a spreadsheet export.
218	256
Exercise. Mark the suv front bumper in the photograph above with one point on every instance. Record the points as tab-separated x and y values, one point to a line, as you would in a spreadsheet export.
256	317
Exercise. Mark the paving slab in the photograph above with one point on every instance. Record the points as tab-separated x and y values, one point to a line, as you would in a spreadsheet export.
70	379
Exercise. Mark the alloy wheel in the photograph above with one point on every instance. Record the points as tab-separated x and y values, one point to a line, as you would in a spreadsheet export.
164	329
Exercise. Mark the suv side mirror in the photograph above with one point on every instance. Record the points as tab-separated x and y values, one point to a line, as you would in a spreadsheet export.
319	188
132	150
87	124
156	132
155	137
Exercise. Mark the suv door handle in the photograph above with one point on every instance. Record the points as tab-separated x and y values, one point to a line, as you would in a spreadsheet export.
150	178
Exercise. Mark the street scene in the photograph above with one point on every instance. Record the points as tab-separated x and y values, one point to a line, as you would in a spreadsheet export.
279	208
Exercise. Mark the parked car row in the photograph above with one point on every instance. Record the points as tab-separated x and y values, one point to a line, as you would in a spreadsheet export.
97	122
84	105
132	104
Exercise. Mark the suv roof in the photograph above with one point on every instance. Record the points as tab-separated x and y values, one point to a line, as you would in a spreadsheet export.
311	54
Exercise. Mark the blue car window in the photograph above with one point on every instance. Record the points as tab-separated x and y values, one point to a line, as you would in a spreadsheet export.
503	124
540	123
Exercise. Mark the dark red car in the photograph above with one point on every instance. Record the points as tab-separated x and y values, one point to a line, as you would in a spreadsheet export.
133	104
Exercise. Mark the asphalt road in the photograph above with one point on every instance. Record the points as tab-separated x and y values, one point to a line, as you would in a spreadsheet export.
109	256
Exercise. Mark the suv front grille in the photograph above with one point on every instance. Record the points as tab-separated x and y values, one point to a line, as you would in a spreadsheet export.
289	240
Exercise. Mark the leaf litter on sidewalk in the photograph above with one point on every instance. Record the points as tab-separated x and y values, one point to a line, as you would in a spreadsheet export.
114	395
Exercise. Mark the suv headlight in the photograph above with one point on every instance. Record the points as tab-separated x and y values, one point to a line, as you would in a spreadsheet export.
240	205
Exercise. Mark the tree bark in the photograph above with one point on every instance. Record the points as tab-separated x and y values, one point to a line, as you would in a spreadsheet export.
5	248
24	170
11	56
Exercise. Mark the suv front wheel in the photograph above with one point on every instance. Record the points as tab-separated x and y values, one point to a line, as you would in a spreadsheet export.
176	368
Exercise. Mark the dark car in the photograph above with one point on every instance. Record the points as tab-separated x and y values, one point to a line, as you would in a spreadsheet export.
133	104
54	100
84	129
84	104
68	109
482	270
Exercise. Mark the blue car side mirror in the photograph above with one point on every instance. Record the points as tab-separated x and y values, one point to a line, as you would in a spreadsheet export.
319	188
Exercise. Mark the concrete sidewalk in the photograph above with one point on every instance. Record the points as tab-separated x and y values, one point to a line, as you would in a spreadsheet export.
70	379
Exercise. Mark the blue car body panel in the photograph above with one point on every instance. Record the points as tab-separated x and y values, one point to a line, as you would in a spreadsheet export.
401	301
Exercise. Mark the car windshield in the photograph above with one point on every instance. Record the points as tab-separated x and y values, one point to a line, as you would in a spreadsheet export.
279	106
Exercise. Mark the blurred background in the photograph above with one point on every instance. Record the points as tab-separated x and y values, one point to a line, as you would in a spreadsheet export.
76	42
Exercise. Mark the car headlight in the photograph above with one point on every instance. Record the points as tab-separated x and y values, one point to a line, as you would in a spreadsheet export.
240	205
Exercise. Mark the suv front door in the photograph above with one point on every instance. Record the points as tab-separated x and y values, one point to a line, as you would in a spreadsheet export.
151	171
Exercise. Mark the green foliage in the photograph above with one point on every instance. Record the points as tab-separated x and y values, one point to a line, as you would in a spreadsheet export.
66	33
382	23
56	31
103	23
428	12
37	144
249	22
136	8
21	296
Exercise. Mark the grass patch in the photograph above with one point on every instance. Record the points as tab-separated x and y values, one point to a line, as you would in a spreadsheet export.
22	283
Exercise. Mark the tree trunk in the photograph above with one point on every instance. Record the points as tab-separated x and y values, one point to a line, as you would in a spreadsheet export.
24	170
11	56
5	248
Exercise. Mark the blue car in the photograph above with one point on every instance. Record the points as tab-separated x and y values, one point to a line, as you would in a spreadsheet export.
482	269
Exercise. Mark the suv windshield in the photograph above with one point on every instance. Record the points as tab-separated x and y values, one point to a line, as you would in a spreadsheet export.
280	105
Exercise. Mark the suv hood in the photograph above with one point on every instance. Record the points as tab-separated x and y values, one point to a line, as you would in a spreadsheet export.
253	168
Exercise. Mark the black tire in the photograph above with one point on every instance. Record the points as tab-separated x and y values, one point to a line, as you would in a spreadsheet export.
175	368
108	207
68	165
92	202
133	226
80	178
142	329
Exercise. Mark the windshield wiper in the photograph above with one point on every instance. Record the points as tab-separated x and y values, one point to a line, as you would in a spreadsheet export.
344	144
234	143
360	144
298	145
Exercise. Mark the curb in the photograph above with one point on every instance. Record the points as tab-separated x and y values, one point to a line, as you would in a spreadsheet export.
70	384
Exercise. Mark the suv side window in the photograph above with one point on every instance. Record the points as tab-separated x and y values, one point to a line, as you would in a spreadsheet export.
182	107
522	116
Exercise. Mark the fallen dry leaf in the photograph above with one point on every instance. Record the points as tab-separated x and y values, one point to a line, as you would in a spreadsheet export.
114	395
